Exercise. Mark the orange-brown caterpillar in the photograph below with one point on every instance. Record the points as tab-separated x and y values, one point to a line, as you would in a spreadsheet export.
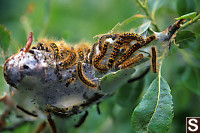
129	63
80	53
81	76
149	39
124	38
40	46
64	50
86	60
92	52
134	48
98	58
102	39
71	60
55	50
126	55
69	81
56	109
154	59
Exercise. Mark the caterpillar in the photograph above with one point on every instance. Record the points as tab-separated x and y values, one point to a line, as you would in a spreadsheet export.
81	76
86	60
149	39
142	42
102	39
92	52
123	38
129	63
56	109
126	55
69	81
98	58
154	59
56	50
71	60
80	53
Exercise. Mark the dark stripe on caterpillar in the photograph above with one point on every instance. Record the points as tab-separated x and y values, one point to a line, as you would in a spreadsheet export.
92	53
99	57
126	55
70	60
124	38
129	63
154	59
82	77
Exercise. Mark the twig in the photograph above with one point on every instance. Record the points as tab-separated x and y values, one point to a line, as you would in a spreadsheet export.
146	10
190	22
140	76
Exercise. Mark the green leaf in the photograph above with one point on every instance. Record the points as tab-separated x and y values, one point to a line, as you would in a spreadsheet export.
191	15
128	94
142	28
119	26
191	79
153	5
185	6
114	81
4	38
183	38
154	112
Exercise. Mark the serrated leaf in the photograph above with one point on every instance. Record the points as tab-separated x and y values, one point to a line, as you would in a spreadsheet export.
191	15
114	81
154	112
4	38
183	38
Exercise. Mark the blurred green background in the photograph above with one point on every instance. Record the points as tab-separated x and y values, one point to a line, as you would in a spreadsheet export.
81	20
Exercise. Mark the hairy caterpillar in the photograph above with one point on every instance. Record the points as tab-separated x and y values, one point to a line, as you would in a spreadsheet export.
154	59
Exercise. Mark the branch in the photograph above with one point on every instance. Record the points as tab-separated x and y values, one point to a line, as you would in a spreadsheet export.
167	34
190	22
146	10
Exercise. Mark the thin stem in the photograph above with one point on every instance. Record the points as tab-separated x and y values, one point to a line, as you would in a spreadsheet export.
190	22
146	1
146	10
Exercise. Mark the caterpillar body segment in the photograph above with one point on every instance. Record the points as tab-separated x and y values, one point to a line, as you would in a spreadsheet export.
123	38
71	60
128	54
55	50
82	77
56	109
149	39
86	59
70	81
102	39
92	53
130	62
80	53
154	59
97	60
